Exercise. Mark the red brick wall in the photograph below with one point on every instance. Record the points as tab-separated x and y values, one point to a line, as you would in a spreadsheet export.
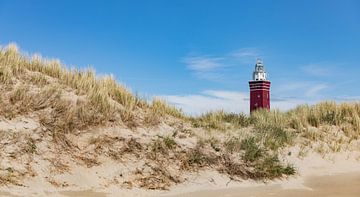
259	95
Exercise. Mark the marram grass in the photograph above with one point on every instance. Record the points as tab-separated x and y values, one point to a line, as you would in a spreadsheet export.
68	100
106	98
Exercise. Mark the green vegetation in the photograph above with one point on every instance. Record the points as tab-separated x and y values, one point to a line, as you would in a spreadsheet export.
220	120
326	126
270	167
252	150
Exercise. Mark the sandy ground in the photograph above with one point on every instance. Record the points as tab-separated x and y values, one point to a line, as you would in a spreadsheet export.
337	175
332	185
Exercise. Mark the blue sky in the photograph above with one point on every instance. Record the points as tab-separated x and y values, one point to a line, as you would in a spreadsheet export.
199	54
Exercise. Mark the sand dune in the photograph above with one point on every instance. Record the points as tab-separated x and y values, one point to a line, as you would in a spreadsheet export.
70	133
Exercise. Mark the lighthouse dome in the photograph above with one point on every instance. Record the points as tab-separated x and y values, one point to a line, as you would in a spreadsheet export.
259	73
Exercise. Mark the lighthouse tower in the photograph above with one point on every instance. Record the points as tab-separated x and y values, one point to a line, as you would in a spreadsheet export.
259	88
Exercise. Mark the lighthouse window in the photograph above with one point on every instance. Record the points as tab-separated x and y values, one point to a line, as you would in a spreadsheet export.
258	95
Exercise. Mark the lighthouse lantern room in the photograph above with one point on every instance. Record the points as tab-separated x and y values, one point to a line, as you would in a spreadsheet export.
259	88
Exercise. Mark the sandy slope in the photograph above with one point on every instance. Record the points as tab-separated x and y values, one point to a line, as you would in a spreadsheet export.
314	173
316	176
113	160
91	169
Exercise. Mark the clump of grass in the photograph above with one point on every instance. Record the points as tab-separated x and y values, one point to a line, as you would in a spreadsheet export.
270	128
252	149
46	97
263	163
311	133
161	108
263	119
356	125
169	142
220	120
158	109
238	120
233	145
210	120
269	167
234	168
5	75
275	137
20	94
198	157
214	143
257	161
8	179
162	146
327	113
31	146
38	79
158	178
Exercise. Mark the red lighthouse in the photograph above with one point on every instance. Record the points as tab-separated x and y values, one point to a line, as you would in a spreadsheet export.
259	88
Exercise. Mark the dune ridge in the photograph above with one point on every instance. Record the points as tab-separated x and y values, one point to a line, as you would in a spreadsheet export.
67	129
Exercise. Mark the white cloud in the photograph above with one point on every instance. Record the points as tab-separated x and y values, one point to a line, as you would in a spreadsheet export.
319	69
213	67
210	100
346	98
228	95
229	101
307	89
315	90
246	55
203	63
205	67
291	86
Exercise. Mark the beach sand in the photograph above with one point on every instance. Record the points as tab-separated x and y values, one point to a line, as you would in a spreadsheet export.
335	176
330	186
347	184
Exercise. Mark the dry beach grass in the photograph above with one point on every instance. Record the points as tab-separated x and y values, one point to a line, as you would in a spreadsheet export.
57	124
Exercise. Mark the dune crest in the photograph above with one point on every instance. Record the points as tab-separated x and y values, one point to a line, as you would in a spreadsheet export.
67	130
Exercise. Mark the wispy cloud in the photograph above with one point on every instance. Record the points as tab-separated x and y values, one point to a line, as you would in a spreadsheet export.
291	86
205	67
347	98
229	101
319	69
213	67
203	63
245	55
209	100
301	89
315	90
234	101
227	95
